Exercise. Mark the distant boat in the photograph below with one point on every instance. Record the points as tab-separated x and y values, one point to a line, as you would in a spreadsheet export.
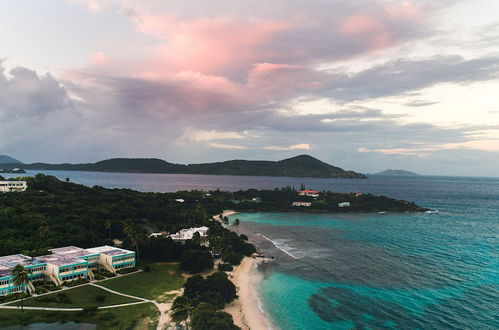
432	211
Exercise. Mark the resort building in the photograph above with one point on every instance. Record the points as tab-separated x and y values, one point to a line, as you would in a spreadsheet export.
344	204
309	193
64	264
306	204
186	234
36	272
76	252
61	268
8	186
113	258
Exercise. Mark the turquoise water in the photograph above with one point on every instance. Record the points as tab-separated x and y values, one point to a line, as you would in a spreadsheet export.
394	271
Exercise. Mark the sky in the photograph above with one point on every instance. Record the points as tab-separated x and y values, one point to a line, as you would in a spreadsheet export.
363	85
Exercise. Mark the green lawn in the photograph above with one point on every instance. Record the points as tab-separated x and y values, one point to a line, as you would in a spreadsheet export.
80	297
162	278
136	316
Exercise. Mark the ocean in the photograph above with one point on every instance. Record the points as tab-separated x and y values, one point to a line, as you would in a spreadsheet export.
366	271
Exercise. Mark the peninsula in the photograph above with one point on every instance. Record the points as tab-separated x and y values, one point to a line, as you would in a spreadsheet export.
299	166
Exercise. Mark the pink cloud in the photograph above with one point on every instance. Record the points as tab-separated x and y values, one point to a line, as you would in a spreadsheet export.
368	29
405	10
100	59
215	45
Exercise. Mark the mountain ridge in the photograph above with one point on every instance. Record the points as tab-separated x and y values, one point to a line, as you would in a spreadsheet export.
298	166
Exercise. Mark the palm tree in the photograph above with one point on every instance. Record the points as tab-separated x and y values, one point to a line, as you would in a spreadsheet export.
225	221
196	239
108	224
181	310
21	278
236	223
136	234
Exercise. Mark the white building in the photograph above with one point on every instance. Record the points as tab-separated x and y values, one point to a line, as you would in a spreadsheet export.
7	186
344	204
309	192
306	204
186	234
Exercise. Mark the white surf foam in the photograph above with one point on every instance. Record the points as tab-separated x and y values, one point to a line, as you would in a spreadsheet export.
280	245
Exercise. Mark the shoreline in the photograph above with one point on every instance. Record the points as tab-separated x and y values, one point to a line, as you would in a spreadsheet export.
246	310
225	213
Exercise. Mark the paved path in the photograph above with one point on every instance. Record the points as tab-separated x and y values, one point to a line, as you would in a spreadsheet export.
162	308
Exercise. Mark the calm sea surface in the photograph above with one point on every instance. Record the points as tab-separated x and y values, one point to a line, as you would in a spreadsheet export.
366	271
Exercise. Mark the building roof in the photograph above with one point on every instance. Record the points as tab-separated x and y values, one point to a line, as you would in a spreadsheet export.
19	259
72	251
109	250
5	271
60	260
66	250
309	191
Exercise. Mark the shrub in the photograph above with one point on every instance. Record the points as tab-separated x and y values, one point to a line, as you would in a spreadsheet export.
233	258
89	309
225	267
195	261
100	298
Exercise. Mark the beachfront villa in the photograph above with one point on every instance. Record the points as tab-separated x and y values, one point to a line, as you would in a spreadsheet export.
64	264
344	204
309	193
186	234
8	186
306	204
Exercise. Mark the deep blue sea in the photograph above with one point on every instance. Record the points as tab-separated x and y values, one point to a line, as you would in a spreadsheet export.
366	271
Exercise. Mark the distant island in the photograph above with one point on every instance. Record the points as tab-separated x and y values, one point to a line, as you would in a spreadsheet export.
4	159
299	166
396	172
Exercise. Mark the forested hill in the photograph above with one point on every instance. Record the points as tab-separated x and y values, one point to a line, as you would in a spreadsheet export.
4	159
299	166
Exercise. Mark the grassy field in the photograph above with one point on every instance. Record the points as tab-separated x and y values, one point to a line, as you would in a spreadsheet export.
141	316
163	277
80	297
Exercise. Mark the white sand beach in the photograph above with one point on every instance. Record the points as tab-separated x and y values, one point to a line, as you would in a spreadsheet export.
225	213
245	310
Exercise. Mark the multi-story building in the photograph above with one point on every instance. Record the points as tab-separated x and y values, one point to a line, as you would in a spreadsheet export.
36	272
113	258
63	265
61	268
75	252
8	186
